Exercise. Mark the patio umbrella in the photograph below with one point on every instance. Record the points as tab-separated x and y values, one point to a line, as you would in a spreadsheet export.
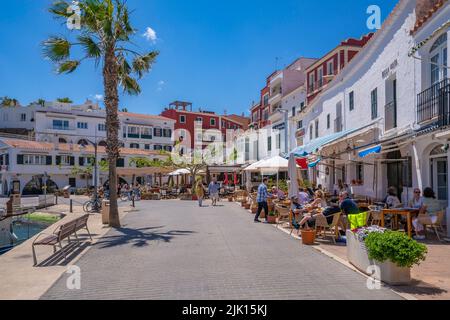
235	179
292	172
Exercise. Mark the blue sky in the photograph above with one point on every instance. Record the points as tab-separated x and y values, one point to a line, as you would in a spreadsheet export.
214	53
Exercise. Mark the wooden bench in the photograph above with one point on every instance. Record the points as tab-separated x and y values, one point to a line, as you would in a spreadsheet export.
63	232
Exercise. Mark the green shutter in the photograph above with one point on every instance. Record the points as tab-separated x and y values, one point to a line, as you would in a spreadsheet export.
72	161
81	161
19	159
49	160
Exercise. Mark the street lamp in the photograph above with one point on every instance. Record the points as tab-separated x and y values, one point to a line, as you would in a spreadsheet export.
95	207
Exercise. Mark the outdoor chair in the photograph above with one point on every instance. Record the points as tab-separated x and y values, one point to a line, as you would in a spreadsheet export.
323	227
375	218
284	214
438	225
164	194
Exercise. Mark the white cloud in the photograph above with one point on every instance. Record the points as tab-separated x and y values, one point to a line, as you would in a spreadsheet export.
150	35
161	85
98	97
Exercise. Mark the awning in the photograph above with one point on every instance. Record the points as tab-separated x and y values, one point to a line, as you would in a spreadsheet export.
315	163
179	172
316	144
365	153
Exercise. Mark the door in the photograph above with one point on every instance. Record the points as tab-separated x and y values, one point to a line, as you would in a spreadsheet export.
440	178
395	172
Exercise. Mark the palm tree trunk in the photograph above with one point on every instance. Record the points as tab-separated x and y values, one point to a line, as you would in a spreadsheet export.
111	81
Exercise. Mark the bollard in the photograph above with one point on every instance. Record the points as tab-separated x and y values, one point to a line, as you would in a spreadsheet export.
132	199
56	199
71	206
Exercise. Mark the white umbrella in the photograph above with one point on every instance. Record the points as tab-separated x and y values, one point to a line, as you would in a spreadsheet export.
276	164
179	172
292	171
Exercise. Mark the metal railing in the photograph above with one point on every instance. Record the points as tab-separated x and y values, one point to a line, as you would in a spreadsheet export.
390	117
434	103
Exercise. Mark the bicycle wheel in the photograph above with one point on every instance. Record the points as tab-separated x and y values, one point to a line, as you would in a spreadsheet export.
124	197
87	207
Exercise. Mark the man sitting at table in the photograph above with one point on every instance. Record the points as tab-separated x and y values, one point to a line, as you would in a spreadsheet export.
303	197
278	193
347	204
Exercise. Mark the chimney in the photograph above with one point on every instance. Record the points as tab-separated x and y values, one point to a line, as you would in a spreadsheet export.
423	7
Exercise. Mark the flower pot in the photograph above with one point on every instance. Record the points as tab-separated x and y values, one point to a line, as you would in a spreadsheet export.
389	272
271	219
254	210
194	198
230	199
308	237
247	206
243	203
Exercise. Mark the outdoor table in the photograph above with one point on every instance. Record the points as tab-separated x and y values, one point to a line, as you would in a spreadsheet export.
408	212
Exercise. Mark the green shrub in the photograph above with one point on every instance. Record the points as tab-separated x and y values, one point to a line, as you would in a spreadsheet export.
396	247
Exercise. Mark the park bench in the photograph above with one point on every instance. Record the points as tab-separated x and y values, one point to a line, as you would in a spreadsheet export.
63	232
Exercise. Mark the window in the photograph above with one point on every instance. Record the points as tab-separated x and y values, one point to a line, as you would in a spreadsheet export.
293	111
330	67
182	119
157	147
351	98
359	172
23	117
199	119
278	141
213	122
65	161
133	132
317	128
157	132
168	148
146	133
328	121
302	106
101	127
269	144
224	124
120	163
134	145
167	133
311	132
61	124
266	100
82	125
439	58
300	124
374	103
37	160
320	77
147	147
247	149
266	114
311	82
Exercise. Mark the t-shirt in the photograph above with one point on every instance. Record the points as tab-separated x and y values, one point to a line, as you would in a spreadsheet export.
303	197
348	206
417	204
433	206
392	202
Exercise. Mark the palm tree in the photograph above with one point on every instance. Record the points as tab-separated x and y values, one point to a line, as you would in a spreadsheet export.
40	102
105	33
64	100
9	102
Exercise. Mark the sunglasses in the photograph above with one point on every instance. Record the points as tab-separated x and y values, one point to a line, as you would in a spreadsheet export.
418	192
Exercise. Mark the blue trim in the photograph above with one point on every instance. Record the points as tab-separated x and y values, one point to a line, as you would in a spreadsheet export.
367	152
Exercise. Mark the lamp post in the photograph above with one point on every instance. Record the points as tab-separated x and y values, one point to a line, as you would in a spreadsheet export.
95	208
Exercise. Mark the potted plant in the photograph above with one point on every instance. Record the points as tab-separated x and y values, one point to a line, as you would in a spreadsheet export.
272	217
392	252
308	236
247	206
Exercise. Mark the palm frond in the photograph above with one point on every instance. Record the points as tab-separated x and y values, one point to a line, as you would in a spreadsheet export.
124	66
92	48
59	9
129	85
56	49
68	66
142	64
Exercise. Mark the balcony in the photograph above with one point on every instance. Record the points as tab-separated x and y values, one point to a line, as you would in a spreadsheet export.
390	115
146	136
133	136
275	95
433	104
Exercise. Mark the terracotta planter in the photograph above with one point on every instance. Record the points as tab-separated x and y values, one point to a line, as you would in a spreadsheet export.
194	198
247	206
243	203
272	219
308	237
230	199
254	210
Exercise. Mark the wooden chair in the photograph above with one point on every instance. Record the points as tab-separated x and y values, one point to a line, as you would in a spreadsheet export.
284	214
437	225
322	226
374	218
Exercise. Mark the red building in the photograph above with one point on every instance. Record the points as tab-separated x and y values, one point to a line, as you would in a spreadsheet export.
201	127
320	73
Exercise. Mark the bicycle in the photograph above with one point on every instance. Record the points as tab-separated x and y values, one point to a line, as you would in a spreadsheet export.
89	206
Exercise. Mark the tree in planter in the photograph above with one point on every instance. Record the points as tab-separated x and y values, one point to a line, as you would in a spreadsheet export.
396	247
86	170
104	34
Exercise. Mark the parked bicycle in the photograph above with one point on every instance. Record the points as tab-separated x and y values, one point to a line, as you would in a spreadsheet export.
91	205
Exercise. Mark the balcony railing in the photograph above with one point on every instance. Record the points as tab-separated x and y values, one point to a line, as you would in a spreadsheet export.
390	117
434	104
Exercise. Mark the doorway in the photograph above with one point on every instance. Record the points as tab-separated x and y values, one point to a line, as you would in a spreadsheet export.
439	174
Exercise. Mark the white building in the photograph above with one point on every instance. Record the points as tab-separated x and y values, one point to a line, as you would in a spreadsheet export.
25	164
393	99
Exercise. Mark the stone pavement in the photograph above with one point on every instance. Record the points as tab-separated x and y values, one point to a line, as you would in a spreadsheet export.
176	250
20	280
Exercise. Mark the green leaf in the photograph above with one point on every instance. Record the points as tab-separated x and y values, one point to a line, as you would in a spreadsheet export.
56	49
59	9
142	64
130	85
68	66
91	48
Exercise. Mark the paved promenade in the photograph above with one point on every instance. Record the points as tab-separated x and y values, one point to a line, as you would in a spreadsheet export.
176	250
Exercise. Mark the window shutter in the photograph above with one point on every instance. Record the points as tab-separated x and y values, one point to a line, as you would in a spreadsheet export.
49	160
19	159
120	163
81	161
7	160
72	161
58	160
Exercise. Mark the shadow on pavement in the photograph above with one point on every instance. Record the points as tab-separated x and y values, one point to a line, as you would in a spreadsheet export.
421	288
139	237
72	250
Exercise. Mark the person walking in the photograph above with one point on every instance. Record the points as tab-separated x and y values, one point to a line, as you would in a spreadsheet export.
200	192
213	190
261	199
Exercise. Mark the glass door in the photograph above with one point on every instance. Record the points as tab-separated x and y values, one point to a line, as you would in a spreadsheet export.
441	178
